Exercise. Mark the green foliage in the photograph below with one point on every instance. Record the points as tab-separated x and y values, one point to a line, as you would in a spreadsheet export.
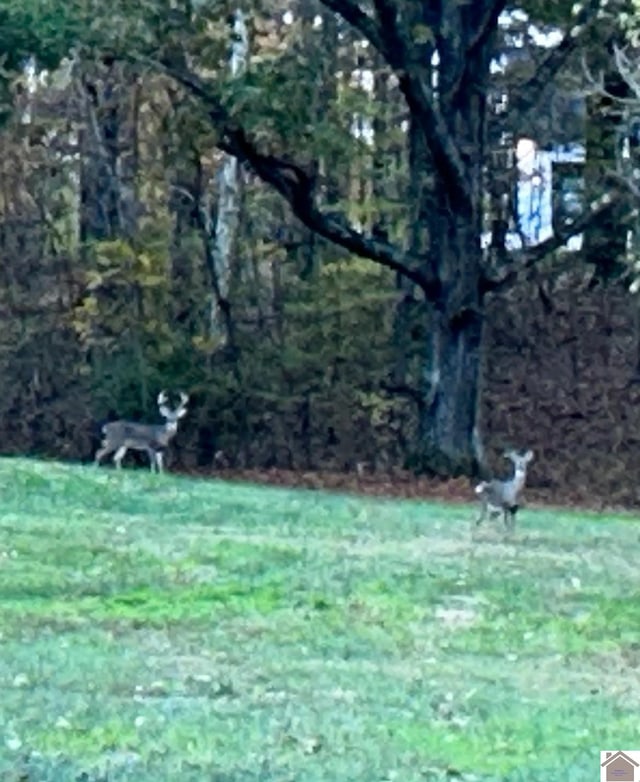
123	320
44	29
341	311
328	363
158	627
272	99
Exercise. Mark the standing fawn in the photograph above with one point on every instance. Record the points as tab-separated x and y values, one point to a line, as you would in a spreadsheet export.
502	496
120	436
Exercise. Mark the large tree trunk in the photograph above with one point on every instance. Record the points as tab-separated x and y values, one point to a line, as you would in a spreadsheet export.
447	234
448	431
442	343
452	362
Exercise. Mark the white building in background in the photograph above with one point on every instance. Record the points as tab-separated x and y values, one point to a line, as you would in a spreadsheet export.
535	190
537	194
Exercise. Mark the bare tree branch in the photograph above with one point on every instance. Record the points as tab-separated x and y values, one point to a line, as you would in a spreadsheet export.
522	261
530	92
628	70
388	38
298	187
487	25
387	14
423	106
358	19
439	139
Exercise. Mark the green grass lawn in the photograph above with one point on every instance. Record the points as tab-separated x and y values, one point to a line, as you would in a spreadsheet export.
158	628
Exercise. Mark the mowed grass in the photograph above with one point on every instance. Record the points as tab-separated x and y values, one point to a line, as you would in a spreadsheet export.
158	628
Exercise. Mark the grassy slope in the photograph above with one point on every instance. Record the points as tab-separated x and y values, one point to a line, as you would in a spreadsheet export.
157	628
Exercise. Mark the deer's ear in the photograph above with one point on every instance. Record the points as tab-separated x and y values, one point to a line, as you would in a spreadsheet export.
528	456
182	412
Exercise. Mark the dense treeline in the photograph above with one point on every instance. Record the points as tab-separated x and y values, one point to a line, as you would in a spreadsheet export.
324	302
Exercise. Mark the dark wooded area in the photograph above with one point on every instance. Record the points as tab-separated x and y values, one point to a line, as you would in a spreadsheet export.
319	221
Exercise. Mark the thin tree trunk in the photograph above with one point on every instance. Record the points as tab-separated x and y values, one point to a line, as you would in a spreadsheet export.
107	204
226	228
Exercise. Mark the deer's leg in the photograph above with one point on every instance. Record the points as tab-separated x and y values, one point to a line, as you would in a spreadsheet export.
483	513
101	453
153	459
119	456
159	460
510	517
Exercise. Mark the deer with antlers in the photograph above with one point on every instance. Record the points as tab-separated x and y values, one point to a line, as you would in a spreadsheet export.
121	436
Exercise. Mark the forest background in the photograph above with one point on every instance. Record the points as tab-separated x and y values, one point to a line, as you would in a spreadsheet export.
308	215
